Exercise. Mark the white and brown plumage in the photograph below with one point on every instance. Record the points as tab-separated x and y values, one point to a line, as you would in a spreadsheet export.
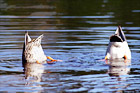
32	50
118	46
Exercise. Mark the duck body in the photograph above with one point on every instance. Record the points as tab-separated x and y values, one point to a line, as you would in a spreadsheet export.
32	50
118	46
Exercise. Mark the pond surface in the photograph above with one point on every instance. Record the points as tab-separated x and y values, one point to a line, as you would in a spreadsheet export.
76	32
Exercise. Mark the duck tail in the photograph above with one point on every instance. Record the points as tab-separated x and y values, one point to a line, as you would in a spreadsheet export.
38	40
27	38
120	33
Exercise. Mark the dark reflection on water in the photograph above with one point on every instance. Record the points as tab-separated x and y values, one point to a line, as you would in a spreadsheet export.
75	32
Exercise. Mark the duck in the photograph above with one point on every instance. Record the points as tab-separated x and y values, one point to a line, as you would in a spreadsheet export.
33	52
118	47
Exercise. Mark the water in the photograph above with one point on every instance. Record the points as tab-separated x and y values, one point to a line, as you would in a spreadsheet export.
76	32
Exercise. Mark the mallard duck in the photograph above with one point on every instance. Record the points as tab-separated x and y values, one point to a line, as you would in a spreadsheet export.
118	47
32	50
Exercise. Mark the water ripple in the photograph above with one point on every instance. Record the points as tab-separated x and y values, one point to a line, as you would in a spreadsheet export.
56	17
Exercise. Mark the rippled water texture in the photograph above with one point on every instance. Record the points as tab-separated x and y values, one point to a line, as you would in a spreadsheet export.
75	31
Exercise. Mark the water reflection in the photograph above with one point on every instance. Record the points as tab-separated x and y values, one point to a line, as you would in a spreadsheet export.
118	67
33	74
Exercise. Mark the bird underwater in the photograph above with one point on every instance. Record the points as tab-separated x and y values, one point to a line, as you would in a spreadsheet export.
118	47
33	52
